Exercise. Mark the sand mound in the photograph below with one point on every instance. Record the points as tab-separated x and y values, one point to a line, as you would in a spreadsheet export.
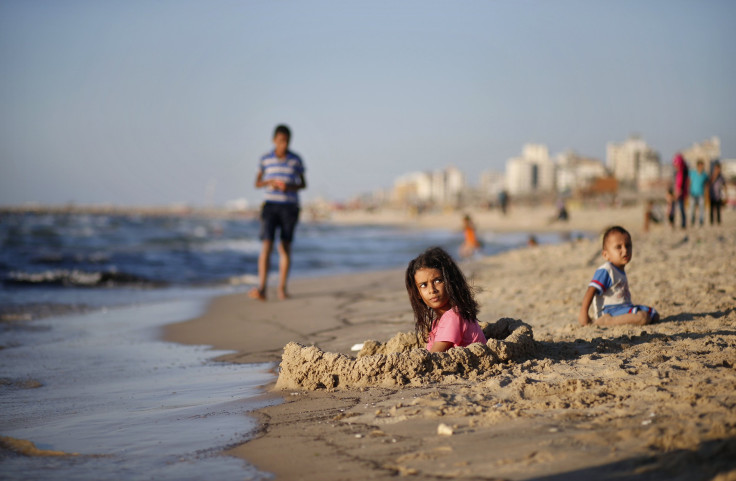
401	342
401	361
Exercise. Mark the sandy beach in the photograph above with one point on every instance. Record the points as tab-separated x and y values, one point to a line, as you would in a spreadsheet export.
651	402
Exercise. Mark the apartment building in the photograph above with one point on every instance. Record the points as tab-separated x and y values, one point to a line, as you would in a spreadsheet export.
531	173
632	161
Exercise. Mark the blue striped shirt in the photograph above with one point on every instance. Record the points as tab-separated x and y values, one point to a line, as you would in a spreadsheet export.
288	170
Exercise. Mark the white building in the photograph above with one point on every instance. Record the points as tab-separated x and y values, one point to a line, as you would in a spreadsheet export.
492	183
650	174
627	159
454	185
728	169
707	151
531	173
442	187
236	205
575	172
412	188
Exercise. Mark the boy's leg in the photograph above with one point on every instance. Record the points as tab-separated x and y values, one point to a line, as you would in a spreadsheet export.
640	318
289	220
269	223
264	264
284	266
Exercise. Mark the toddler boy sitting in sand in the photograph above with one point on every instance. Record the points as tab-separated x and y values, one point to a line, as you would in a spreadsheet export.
610	287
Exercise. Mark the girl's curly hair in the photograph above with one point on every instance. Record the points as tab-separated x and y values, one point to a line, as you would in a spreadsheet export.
460	292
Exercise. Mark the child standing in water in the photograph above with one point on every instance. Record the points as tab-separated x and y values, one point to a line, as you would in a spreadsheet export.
444	307
471	244
610	286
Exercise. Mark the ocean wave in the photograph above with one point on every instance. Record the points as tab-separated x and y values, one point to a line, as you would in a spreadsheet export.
78	278
246	246
78	257
245	279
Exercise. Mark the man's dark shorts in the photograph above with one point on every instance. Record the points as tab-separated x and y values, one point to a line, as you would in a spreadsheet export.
281	216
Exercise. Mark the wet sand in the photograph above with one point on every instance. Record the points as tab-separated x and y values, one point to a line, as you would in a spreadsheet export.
650	402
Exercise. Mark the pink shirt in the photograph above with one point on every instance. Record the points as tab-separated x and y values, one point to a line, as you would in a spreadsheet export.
452	328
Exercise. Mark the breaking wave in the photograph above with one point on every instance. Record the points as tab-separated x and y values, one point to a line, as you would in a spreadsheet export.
78	278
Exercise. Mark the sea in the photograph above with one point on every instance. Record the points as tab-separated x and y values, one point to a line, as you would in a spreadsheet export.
83	368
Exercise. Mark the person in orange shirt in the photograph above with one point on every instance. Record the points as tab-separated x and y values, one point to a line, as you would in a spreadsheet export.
471	245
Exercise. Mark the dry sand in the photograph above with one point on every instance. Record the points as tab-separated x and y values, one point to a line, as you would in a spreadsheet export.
651	402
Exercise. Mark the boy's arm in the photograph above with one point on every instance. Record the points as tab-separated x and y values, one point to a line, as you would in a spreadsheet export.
274	184
583	317
260	182
295	187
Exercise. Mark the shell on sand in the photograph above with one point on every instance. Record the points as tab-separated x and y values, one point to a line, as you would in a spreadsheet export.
402	361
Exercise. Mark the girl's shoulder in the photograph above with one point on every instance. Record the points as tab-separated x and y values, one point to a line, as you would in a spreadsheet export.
453	316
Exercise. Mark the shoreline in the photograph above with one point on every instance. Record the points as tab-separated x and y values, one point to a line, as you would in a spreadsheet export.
128	401
630	397
522	218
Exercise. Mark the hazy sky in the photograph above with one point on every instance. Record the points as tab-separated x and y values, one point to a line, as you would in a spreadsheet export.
150	102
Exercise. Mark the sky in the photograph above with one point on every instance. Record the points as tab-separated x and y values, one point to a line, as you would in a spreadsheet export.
174	101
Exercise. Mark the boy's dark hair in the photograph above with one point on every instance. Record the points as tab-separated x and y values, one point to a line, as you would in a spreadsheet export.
612	229
461	294
282	129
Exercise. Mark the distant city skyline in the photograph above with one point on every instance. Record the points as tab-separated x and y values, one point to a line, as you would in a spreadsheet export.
156	103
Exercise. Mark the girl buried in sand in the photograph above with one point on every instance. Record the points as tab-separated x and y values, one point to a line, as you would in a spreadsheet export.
444	307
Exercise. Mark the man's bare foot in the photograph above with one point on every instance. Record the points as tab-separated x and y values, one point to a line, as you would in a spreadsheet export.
283	295
257	294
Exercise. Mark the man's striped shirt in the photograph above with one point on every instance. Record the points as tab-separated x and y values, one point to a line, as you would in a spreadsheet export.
289	170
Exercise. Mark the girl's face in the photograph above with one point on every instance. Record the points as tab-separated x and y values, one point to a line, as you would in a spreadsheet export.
431	286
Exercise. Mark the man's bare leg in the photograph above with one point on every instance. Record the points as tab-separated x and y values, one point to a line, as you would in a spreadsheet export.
264	264
284	266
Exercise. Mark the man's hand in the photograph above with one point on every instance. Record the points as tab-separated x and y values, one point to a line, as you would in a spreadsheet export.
279	185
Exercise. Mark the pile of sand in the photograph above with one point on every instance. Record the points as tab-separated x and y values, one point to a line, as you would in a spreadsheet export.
401	361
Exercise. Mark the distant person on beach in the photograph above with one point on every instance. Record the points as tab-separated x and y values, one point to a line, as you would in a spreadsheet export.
716	192
281	173
698	181
503	201
652	214
609	287
562	213
445	310
471	245
670	199
680	189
